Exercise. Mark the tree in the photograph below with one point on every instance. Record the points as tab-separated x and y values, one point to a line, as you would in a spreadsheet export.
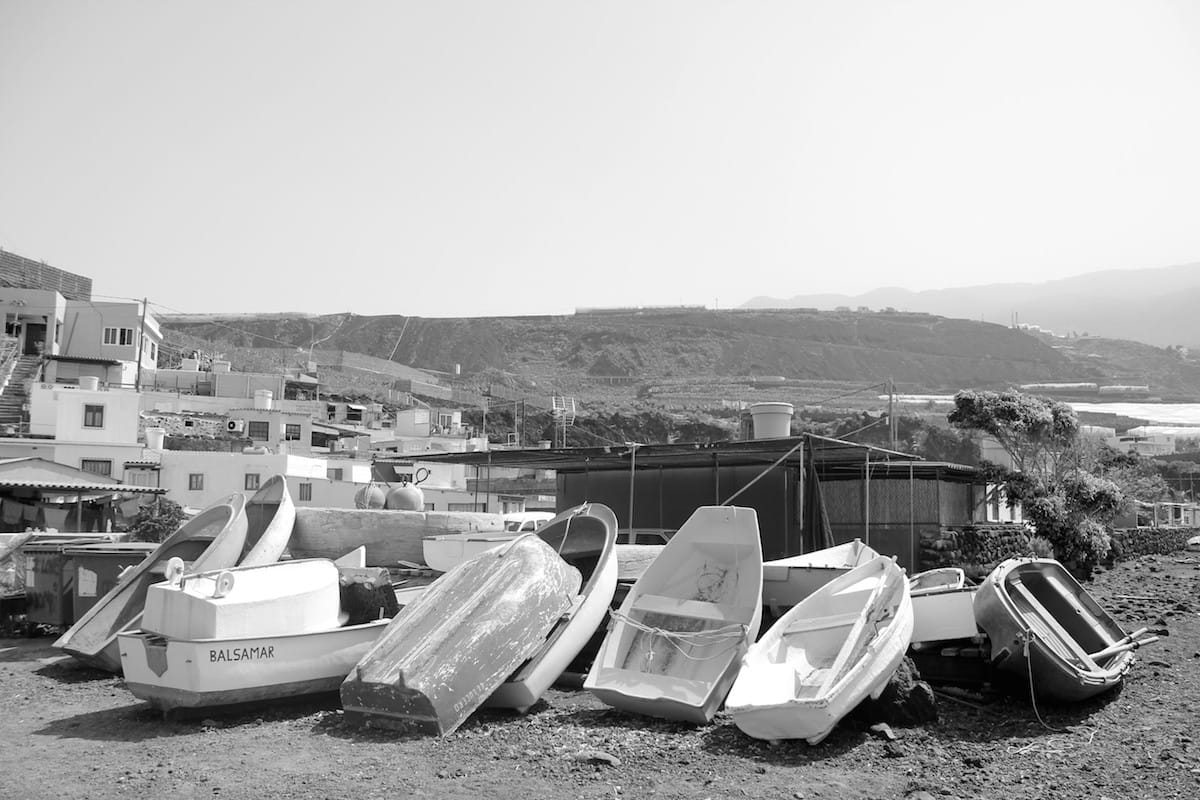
1068	504
156	521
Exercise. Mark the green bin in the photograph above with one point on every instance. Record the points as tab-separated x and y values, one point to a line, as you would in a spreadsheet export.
49	580
98	569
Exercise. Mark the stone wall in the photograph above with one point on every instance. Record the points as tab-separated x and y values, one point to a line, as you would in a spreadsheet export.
1133	542
979	548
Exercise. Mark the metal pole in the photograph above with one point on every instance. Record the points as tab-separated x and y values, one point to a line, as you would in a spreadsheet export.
632	539
137	381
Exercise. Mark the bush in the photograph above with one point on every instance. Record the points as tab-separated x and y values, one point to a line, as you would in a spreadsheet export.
1041	547
157	521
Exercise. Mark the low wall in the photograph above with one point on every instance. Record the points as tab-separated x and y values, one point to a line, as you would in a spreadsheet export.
979	548
1134	542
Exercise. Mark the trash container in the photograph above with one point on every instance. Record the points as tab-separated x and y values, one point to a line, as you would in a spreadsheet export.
49	580
98	569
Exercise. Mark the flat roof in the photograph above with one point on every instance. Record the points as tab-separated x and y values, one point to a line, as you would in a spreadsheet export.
112	362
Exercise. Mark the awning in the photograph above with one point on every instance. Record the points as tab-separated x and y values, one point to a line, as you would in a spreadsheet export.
85	360
79	488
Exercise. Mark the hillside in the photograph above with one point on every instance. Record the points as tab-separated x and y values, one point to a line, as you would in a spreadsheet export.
1156	306
698	353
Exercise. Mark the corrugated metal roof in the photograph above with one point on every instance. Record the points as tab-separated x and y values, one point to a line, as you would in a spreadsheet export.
76	488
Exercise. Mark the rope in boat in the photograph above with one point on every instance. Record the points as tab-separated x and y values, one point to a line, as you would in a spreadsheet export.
728	636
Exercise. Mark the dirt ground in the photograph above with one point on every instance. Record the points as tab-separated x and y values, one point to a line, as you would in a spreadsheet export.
71	732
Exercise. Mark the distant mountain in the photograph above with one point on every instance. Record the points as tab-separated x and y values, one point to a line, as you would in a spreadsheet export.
1154	306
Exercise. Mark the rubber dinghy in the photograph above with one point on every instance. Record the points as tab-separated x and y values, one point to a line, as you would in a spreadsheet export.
1044	626
585	537
673	648
270	518
252	634
213	539
448	650
821	659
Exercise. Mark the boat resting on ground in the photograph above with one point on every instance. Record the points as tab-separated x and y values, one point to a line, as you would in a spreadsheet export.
445	654
242	643
840	645
390	536
213	539
787	581
1044	626
943	606
673	648
585	537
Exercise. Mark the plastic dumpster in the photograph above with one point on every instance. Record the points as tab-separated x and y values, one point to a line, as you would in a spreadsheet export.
49	580
98	568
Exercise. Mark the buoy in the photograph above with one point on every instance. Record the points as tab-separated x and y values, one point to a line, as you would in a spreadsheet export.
405	498
370	496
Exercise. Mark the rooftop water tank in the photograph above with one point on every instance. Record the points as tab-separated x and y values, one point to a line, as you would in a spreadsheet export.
263	398
772	420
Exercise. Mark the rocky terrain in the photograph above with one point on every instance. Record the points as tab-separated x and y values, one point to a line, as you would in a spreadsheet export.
69	731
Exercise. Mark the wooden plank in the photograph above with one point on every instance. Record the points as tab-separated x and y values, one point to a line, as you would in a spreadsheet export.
696	609
1050	628
821	623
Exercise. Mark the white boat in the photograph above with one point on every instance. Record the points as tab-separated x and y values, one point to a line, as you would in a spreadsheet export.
835	648
199	673
526	521
446	552
284	597
943	606
211	540
270	518
787	581
673	648
585	537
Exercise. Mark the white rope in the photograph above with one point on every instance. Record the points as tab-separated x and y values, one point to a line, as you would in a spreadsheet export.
728	636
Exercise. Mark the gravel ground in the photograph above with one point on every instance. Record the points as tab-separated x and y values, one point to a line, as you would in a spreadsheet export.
71	732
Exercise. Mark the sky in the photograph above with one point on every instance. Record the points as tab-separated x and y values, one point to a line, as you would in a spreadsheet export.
481	158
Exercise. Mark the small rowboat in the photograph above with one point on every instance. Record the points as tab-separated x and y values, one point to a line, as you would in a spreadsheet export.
213	539
451	647
270	517
585	537
943	606
673	648
840	645
444	553
787	581
1044	626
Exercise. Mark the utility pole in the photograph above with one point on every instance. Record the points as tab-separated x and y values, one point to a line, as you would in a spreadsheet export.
893	428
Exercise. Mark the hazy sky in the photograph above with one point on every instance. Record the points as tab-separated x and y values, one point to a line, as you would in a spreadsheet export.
477	158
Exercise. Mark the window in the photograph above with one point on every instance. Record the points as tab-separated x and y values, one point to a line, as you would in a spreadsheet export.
467	507
251	480
118	336
93	416
305	491
140	477
334	473
99	466
196	482
259	431
291	432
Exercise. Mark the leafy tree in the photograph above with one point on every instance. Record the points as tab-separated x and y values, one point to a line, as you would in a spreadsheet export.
1067	504
156	521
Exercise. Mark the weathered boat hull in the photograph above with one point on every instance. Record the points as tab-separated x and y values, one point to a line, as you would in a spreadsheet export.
180	673
448	650
943	605
390	537
270	518
585	537
823	657
1039	620
213	539
673	648
787	581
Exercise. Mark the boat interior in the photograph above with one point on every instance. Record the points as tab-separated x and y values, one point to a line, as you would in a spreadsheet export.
1067	621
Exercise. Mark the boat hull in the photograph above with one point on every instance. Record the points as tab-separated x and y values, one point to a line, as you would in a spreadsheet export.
787	581
447	651
180	673
1042	625
673	648
270	518
585	537
390	537
213	539
821	659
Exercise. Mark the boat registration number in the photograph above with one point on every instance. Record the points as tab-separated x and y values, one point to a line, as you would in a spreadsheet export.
242	653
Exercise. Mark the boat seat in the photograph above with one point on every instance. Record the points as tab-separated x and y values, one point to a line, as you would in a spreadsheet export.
804	625
1044	623
696	609
651	686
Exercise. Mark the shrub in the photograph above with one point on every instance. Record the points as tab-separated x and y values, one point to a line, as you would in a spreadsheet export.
156	521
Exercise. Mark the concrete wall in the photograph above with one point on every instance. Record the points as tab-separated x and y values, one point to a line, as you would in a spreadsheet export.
58	410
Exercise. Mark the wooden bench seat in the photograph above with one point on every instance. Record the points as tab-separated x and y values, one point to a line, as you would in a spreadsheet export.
696	609
806	624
